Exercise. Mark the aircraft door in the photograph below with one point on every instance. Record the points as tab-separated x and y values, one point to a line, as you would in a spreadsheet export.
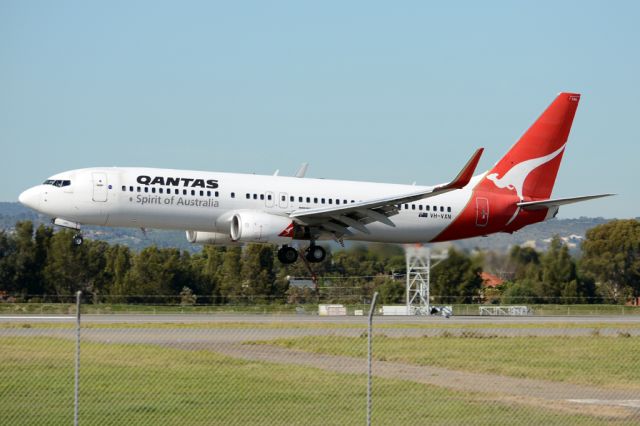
269	199
99	187
283	201
482	211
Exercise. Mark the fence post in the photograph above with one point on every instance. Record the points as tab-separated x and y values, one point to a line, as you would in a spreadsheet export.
370	341
77	369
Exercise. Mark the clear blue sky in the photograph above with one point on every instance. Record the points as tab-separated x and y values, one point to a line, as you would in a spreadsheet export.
382	91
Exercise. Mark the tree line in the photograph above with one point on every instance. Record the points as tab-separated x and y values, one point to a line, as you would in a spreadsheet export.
40	265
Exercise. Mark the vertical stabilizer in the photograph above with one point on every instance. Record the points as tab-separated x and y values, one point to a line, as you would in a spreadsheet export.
531	165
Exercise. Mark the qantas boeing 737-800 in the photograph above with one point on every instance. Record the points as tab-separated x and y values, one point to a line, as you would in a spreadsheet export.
225	208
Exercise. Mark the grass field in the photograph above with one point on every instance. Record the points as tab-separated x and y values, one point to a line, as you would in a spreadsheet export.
146	384
611	362
274	325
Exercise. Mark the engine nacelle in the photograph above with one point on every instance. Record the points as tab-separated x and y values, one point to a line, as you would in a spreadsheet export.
213	238
252	226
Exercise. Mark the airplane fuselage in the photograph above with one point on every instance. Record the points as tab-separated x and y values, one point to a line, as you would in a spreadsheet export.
205	201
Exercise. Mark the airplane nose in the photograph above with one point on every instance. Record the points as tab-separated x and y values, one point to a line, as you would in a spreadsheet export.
30	198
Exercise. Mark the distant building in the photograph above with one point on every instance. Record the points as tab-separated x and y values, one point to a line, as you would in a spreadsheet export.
489	292
490	280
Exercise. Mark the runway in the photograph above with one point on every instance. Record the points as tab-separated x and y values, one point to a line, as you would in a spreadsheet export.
227	328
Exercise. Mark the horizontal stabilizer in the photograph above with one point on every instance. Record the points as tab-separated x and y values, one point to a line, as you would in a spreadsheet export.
545	204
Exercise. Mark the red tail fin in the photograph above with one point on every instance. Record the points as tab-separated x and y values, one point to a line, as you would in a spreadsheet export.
531	165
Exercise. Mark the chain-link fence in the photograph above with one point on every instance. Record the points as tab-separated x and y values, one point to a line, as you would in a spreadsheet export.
297	367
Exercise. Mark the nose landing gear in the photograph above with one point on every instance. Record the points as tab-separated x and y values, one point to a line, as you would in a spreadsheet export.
78	240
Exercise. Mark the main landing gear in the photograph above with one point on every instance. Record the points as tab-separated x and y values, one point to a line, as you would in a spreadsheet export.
313	254
287	255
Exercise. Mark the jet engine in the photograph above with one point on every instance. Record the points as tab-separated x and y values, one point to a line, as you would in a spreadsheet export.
250	226
213	238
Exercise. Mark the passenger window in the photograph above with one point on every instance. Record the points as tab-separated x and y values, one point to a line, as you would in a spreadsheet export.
233	195
184	192
300	199
337	201
208	193
124	188
269	197
146	189
406	206
435	208
322	200
131	189
248	196
217	193
177	191
442	208
449	209
315	200
262	196
292	198
413	206
193	192
420	207
138	189
344	201
160	190
427	208
330	201
255	196
283	198
201	193
153	190
308	199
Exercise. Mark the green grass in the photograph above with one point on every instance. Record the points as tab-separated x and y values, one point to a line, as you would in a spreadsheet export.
145	384
611	362
274	325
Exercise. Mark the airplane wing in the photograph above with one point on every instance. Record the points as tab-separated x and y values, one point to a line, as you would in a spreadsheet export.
545	204
336	219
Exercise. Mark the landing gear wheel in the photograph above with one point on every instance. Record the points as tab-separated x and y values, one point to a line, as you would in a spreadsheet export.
315	254
287	255
78	240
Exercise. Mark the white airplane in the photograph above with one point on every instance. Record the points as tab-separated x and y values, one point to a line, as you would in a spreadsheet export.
225	208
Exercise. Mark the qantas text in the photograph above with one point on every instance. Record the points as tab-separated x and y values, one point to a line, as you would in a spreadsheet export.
177	181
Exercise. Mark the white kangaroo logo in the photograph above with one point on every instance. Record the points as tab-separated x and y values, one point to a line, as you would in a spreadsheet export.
515	177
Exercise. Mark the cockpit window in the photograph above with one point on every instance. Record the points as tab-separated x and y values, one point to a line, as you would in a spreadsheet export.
58	183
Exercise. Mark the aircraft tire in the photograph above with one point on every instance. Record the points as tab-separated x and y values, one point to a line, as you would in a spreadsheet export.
315	254
287	255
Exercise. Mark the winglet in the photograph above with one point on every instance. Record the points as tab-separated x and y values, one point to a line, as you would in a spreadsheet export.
466	173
